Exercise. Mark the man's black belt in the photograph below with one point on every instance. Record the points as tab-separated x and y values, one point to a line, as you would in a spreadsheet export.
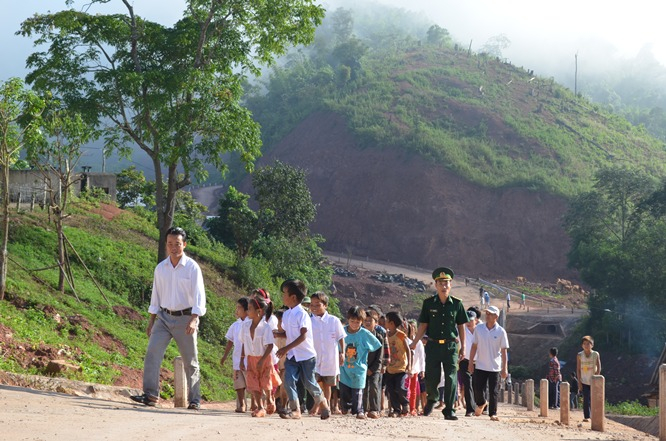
441	342
187	311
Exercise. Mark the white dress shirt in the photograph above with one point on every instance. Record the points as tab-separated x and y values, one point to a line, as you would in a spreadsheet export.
293	320
177	288
327	331
263	336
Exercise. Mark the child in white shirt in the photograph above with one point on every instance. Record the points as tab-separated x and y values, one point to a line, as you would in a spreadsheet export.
329	343
232	337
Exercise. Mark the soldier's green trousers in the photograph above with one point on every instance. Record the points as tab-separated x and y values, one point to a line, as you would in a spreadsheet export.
440	356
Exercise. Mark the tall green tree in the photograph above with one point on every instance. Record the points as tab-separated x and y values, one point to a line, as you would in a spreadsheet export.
175	92
617	231
17	104
437	35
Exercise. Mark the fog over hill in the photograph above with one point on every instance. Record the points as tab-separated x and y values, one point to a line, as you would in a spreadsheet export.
609	41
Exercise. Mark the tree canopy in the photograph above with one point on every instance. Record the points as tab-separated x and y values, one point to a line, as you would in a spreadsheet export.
174	91
20	110
618	233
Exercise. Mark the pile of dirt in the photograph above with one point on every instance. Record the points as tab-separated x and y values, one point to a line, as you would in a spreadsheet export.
108	211
363	289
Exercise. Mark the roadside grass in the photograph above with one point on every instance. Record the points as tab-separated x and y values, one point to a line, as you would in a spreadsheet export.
631	408
121	255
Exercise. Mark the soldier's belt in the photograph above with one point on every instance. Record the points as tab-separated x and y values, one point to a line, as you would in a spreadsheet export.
441	342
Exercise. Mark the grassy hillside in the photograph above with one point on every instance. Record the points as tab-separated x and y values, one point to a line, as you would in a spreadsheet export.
488	121
107	339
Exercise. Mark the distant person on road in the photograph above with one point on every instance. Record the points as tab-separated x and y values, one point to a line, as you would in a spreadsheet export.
489	352
508	301
177	301
554	379
443	317
481	291
588	364
486	298
522	301
573	391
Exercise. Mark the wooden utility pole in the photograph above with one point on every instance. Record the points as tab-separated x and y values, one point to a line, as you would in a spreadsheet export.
576	75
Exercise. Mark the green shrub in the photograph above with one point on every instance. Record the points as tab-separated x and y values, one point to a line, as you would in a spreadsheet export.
631	408
252	272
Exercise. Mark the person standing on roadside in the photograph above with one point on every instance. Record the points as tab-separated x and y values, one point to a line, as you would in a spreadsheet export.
588	364
443	317
554	379
176	303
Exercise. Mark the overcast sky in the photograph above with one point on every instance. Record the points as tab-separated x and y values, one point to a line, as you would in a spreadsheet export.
544	36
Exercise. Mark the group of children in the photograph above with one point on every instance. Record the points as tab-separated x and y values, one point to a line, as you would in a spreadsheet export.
279	354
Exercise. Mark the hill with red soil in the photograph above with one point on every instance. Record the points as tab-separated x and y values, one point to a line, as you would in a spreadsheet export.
395	206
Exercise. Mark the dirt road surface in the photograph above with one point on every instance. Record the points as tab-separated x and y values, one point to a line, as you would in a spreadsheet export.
27	414
106	413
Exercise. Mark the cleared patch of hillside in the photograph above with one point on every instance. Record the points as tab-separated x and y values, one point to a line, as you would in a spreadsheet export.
394	205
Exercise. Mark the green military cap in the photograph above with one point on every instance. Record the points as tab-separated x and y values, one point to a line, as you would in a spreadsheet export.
442	273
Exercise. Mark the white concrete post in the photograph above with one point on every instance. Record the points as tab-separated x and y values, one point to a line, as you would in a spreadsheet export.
662	402
598	408
180	383
516	393
543	397
564	403
529	394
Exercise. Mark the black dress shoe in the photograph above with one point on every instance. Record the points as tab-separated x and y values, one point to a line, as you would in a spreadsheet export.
450	416
427	409
143	399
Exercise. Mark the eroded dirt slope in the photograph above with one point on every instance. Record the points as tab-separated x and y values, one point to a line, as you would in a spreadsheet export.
390	205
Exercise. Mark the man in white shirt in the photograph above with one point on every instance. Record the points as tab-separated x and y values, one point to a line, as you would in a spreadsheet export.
489	352
177	301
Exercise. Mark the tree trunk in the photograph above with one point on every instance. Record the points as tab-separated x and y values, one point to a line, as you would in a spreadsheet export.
4	171
61	254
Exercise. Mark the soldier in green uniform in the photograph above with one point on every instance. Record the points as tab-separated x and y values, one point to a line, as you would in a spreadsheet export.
443	318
